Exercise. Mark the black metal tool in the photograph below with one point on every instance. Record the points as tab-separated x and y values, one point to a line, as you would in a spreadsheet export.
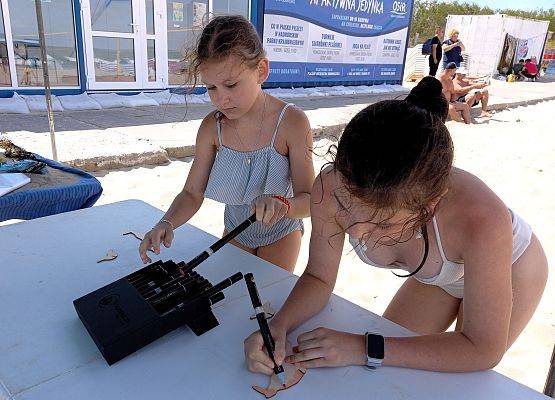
263	324
219	244
126	315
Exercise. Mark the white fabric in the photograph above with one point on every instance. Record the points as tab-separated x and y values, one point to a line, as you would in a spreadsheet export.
138	100
165	97
13	105
108	100
38	102
79	102
12	181
195	99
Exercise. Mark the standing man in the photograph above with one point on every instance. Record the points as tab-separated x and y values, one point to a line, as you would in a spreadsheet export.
437	53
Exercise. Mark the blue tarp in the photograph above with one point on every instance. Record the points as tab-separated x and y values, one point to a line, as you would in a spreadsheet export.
40	202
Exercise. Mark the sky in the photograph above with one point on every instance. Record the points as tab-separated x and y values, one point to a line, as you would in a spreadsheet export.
514	4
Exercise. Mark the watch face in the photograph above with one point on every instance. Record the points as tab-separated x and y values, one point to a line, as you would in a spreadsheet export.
375	346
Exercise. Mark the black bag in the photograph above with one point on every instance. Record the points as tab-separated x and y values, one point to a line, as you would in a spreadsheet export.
427	47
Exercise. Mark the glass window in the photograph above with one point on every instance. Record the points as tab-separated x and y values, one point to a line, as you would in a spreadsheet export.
231	7
151	55
185	21
5	79
112	16
60	42
150	17
114	59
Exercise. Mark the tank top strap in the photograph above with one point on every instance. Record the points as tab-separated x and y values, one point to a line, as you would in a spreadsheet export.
438	240
218	116
278	122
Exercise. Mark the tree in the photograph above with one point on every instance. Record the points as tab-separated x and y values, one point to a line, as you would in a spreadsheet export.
429	14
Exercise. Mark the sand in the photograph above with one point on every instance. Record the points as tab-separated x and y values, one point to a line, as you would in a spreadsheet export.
513	152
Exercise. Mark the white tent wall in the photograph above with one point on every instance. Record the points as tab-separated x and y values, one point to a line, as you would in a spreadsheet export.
484	36
483	40
528	29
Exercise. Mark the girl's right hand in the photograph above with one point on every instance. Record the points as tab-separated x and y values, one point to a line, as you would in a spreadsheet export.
161	233
255	353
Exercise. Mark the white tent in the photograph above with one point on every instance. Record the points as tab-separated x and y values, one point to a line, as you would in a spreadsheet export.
484	36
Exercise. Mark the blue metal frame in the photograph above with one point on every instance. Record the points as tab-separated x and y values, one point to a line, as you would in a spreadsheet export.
257	15
79	41
407	42
257	19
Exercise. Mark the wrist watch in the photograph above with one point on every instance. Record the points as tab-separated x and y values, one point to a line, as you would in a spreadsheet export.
374	350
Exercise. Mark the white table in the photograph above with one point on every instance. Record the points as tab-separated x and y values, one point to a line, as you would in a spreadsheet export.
46	353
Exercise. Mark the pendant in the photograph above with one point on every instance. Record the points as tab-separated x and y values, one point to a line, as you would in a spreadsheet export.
249	161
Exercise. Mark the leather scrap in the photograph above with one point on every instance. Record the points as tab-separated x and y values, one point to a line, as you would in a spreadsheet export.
293	375
110	255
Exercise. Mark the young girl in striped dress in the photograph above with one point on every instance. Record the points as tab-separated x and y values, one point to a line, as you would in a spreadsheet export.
253	153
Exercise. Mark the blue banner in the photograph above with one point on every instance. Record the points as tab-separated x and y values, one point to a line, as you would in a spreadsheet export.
335	40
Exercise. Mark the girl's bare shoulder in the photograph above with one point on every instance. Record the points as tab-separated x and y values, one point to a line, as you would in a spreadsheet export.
471	205
208	129
325	190
294	119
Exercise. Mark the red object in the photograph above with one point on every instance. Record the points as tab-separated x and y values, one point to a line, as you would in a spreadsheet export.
284	201
531	68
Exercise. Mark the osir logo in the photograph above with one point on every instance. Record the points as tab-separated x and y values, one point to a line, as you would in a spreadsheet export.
399	9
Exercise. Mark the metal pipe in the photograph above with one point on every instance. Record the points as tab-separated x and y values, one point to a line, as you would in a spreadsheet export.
47	92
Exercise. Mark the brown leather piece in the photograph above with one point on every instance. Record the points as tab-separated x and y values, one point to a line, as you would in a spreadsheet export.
293	375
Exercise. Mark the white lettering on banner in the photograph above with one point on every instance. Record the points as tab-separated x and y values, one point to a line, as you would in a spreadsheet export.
370	6
399	6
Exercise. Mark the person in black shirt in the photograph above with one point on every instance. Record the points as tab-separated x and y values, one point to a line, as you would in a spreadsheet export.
436	54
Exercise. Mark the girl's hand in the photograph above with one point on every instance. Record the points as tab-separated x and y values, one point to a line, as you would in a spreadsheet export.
324	347
161	233
255	353
269	210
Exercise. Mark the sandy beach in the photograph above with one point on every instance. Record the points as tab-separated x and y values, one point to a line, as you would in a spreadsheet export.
513	152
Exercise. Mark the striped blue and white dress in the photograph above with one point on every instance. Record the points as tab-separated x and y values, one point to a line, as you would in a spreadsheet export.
239	177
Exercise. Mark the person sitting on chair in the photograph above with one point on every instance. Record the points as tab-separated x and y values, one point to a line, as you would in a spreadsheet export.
471	92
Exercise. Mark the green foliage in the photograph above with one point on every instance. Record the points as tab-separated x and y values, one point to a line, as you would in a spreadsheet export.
429	14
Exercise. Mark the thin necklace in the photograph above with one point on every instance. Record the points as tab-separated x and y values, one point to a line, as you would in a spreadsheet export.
259	130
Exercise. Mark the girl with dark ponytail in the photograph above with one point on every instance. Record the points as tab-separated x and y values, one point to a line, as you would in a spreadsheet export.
393	190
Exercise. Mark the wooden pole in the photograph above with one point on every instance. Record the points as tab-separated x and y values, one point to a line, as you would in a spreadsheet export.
549	389
47	92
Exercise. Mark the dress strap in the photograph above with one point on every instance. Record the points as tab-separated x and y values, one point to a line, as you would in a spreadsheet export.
218	116
438	240
279	121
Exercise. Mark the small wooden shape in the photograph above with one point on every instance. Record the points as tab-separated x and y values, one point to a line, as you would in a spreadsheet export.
293	375
110	255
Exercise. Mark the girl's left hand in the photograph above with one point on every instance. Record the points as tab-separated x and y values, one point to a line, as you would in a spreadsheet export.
269	210
325	347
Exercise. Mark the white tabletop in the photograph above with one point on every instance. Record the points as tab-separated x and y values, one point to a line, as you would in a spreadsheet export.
46	353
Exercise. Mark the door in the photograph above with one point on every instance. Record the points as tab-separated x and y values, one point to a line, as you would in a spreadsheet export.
124	44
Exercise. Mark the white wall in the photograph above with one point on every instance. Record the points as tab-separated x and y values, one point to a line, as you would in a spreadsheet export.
482	38
528	29
484	35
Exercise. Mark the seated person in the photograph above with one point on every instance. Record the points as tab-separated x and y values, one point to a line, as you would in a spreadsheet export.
530	69
470	91
446	78
518	68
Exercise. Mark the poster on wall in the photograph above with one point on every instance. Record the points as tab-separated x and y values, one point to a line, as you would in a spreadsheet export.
199	14
177	15
336	40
